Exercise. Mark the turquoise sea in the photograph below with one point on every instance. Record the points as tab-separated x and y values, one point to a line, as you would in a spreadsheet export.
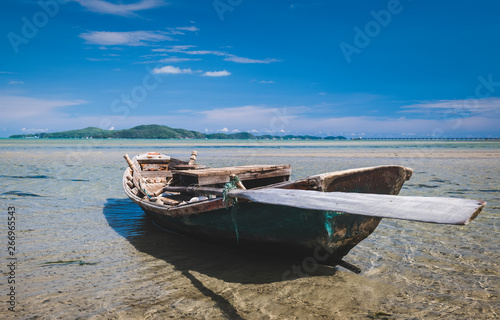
83	250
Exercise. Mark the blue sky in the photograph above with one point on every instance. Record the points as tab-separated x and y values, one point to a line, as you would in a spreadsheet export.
355	68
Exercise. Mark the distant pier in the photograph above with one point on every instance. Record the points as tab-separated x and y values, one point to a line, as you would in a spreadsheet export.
429	139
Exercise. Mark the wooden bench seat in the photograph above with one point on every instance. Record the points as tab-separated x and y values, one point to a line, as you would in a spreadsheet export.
153	158
213	176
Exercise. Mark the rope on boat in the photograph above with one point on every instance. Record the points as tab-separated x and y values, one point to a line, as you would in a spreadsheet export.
225	198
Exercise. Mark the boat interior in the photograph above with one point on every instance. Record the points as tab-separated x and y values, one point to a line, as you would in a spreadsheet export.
149	174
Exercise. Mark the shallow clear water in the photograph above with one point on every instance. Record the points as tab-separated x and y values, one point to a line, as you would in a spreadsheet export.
85	251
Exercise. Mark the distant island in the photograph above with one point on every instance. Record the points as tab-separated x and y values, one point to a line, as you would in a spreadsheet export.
154	131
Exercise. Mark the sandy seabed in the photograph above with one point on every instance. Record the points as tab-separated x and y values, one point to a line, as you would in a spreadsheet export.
85	251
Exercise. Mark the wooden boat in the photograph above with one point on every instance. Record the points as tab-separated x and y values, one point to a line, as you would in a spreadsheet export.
188	199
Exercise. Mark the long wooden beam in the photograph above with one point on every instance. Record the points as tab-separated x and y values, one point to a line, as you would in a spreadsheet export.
423	209
441	210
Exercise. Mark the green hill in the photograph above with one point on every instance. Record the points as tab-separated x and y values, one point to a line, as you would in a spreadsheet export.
147	132
155	131
75	134
239	135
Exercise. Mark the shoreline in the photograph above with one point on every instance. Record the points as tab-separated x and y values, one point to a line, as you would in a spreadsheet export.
284	138
311	153
395	155
376	149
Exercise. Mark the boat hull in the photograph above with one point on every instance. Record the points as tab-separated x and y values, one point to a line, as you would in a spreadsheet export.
281	230
276	230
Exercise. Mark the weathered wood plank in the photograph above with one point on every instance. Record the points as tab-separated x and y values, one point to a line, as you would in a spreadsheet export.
188	167
159	174
424	209
221	175
228	170
208	180
153	157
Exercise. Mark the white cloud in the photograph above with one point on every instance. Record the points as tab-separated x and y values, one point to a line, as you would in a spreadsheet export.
179	30
177	70
101	59
298	119
248	117
174	31
108	48
168	60
263	119
172	70
131	38
105	7
216	73
19	107
266	82
32	130
295	119
227	56
484	106
224	130
237	59
154	55
176	59
7	72
389	125
192	28
203	52
16	82
173	49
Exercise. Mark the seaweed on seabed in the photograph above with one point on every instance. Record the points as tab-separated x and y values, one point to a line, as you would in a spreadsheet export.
380	315
21	194
67	262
